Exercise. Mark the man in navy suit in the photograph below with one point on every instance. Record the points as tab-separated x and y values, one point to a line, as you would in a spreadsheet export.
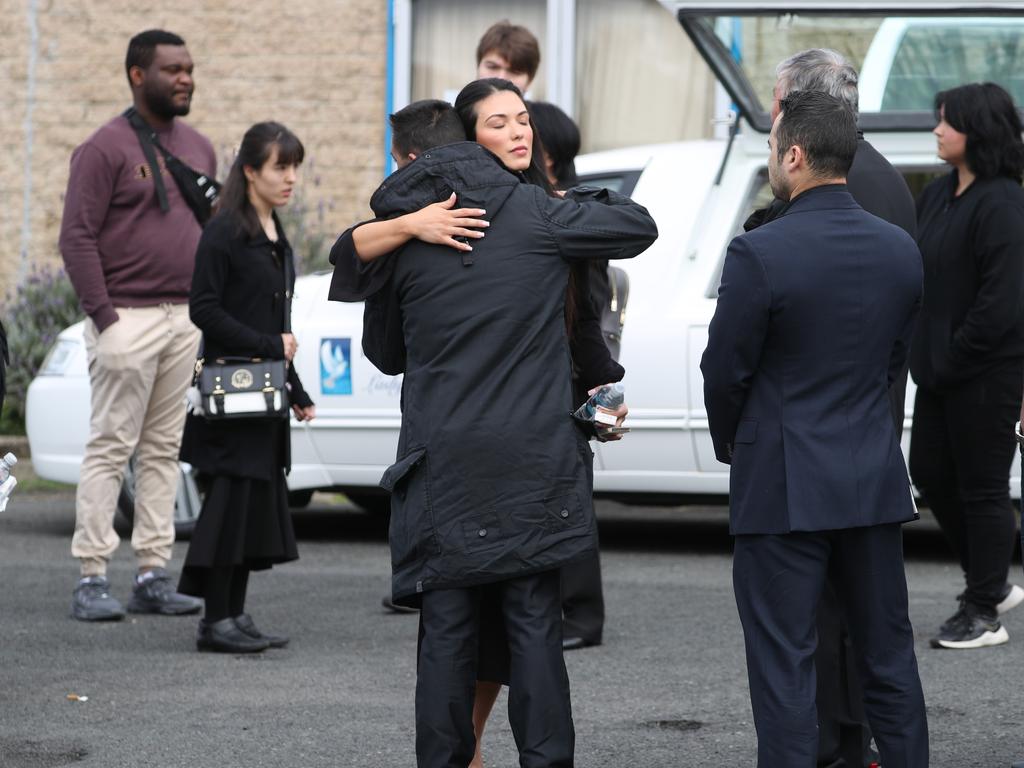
815	312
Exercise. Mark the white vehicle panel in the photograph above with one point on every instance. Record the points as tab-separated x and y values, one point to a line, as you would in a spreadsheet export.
699	192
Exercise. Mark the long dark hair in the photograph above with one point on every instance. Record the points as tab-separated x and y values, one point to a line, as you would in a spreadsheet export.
465	107
559	139
256	148
986	114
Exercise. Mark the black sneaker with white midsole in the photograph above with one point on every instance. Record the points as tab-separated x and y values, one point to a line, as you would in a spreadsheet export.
1012	597
153	592
975	629
92	601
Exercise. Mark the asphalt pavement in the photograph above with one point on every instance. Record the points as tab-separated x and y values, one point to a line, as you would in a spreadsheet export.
667	688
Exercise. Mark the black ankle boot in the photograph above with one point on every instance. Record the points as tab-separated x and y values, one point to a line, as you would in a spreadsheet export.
224	637
245	623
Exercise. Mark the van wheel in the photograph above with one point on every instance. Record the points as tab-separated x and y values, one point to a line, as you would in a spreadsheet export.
370	501
186	505
300	499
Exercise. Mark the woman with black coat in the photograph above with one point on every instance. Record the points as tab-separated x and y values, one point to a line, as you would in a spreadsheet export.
967	355
241	294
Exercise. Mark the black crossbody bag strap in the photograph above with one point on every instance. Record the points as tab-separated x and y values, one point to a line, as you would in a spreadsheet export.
198	190
286	259
147	139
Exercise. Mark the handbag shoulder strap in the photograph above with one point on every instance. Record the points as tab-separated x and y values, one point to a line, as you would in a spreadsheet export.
286	263
148	140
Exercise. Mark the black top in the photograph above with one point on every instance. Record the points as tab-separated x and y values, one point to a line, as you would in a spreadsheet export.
493	480
972	319
237	301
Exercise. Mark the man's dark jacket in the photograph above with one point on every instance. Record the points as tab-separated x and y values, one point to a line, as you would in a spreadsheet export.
881	190
492	479
814	317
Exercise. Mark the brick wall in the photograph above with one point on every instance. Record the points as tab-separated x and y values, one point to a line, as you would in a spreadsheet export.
316	65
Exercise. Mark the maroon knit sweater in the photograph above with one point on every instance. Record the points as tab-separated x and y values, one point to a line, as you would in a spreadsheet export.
119	248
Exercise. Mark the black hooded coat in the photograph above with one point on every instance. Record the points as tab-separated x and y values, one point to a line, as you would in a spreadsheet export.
492	479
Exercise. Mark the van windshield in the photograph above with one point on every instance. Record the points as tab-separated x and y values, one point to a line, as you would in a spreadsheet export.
934	55
902	61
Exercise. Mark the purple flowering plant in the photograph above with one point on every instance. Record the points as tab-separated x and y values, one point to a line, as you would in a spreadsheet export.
34	313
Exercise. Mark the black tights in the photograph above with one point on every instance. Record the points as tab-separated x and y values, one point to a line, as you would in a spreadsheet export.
225	592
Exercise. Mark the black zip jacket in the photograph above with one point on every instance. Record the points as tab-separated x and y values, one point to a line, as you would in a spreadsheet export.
972	317
492	478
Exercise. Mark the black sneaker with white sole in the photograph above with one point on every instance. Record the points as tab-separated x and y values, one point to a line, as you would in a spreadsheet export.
973	629
92	601
1012	596
153	592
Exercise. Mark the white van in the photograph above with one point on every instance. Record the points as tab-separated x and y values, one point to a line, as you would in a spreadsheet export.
699	192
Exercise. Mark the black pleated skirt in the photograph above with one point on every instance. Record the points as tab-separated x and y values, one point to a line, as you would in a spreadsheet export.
243	522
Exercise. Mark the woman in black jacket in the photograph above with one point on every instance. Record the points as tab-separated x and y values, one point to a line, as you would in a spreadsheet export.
240	299
967	356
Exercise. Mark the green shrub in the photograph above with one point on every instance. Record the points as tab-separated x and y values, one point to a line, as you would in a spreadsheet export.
43	305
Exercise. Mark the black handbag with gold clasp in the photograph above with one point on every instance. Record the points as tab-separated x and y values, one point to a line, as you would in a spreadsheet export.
241	387
237	388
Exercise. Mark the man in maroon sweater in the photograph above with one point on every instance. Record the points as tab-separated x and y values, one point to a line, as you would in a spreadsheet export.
129	255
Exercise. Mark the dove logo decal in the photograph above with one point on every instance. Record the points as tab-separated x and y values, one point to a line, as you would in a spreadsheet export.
336	366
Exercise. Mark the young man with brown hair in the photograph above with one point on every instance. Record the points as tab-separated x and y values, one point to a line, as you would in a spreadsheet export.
510	52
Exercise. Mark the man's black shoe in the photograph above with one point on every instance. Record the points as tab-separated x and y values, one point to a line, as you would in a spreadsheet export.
245	623
92	601
576	643
224	636
391	605
154	593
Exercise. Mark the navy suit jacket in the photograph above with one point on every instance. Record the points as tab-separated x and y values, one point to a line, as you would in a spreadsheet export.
814	317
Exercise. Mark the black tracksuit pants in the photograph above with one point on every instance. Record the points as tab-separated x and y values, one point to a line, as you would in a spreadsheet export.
961	451
538	701
583	599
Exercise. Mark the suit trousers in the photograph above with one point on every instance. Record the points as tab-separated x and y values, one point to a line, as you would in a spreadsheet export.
844	738
139	368
961	451
538	700
583	599
778	580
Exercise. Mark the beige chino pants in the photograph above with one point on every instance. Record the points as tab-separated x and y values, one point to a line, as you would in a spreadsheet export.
139	368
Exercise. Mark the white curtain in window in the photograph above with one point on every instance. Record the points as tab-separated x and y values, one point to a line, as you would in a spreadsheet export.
638	77
445	34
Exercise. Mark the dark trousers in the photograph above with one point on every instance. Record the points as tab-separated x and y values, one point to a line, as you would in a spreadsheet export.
538	699
844	737
778	582
583	599
961	450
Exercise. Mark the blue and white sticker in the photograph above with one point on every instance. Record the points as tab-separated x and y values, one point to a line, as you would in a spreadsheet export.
336	366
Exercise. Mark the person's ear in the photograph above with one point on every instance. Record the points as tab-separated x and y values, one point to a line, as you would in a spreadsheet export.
795	156
136	76
412	156
250	173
